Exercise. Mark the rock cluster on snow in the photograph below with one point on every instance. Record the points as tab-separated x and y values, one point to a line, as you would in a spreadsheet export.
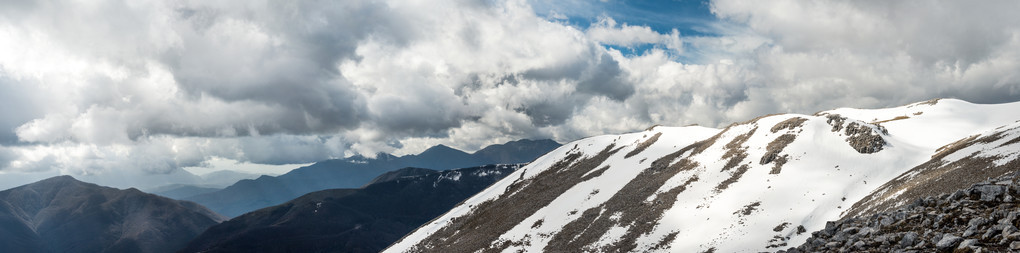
981	218
863	137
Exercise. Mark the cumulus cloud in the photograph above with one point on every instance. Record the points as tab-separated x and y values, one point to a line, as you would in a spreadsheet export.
608	32
111	87
881	53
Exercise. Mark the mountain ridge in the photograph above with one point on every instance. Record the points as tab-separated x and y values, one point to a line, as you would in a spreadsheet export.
350	220
62	214
353	172
765	181
963	200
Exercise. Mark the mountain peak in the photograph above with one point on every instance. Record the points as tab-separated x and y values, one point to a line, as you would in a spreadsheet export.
442	150
56	182
62	214
440	147
61	178
519	151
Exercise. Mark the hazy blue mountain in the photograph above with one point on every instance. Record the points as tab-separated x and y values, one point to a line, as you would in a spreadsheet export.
351	220
180	191
522	150
248	195
61	214
223	178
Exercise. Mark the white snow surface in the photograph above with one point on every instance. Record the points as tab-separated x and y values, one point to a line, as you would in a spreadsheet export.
823	176
999	148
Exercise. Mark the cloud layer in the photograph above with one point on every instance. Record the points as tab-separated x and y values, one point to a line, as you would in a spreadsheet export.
105	86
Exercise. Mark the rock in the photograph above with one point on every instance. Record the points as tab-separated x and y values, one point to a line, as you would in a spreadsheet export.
920	244
990	192
909	238
832	245
936	238
948	242
1010	229
886	221
830	227
851	230
878	239
1009	218
975	219
859	245
990	234
967	243
866	231
976	222
957	195
970	231
839	237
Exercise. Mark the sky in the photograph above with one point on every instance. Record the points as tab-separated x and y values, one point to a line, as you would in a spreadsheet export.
120	90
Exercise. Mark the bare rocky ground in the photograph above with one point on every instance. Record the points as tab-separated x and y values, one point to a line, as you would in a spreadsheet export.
982	218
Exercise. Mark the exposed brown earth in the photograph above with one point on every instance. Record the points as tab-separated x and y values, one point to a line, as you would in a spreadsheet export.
500	215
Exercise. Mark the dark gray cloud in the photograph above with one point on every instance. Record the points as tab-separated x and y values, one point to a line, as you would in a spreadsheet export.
18	107
551	113
6	156
282	54
605	79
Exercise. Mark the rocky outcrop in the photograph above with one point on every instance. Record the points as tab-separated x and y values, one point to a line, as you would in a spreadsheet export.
864	137
981	218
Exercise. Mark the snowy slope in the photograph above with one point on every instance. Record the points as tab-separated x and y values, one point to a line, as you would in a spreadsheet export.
753	186
992	154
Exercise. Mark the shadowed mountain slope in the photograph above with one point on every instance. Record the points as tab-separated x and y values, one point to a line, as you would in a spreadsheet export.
350	220
61	214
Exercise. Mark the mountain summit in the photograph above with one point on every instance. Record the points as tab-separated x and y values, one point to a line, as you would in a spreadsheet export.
759	185
61	214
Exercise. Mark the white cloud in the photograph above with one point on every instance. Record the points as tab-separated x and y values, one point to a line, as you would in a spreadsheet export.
608	32
150	87
872	53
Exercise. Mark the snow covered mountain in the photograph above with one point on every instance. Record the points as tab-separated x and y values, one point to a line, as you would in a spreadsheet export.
754	186
991	154
919	211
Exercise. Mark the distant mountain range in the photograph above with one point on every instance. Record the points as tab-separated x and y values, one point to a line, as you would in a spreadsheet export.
351	220
61	214
249	195
181	191
756	186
